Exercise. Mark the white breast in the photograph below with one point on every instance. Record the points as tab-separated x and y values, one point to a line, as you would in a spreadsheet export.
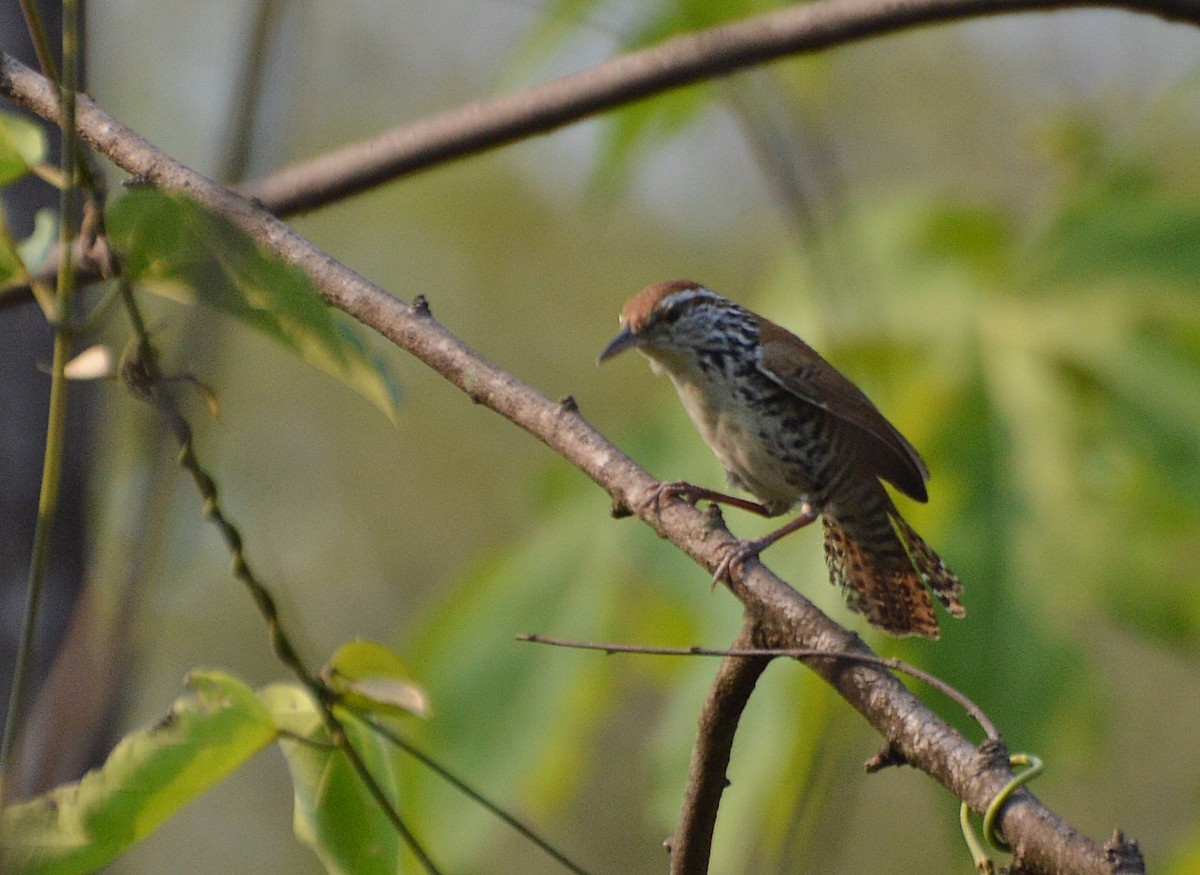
732	431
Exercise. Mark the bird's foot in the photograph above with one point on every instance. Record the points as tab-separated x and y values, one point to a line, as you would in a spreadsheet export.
676	489
693	494
735	555
738	553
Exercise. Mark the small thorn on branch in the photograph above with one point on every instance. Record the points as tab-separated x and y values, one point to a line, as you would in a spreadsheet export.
568	404
889	755
420	306
139	180
1124	855
993	754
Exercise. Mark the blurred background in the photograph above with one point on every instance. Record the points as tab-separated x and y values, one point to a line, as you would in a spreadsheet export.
993	227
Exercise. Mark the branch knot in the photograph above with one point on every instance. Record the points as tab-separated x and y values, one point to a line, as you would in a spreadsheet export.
1123	855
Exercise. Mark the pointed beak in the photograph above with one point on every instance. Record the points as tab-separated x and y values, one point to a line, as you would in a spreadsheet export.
623	341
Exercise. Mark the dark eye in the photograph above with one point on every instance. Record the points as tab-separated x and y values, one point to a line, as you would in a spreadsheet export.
671	314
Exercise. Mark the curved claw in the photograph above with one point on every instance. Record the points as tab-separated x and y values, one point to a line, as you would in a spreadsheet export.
737	554
670	491
692	494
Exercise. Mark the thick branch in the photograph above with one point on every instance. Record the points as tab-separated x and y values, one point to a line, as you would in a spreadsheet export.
682	60
692	844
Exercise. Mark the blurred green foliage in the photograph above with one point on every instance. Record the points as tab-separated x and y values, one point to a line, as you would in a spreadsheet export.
22	147
630	131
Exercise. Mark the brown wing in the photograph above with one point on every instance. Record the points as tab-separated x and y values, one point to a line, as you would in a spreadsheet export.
799	369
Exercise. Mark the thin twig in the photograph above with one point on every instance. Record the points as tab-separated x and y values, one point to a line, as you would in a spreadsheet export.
471	793
37	36
246	105
802	653
141	373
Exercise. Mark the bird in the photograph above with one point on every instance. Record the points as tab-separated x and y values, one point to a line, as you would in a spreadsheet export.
794	432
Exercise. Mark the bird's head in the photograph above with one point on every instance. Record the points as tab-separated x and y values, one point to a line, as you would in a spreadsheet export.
671	320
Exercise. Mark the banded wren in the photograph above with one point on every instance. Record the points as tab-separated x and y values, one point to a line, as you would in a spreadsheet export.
793	431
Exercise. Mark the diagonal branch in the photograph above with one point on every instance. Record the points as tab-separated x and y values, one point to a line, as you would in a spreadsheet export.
674	63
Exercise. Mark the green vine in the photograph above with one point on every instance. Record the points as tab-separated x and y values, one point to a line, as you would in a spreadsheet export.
992	814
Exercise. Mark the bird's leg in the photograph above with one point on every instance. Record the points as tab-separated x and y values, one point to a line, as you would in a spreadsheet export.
692	494
737	552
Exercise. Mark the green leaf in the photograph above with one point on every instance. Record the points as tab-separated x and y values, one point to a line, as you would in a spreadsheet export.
175	247
36	249
371	677
149	776
972	235
12	268
19	260
335	814
22	145
1127	232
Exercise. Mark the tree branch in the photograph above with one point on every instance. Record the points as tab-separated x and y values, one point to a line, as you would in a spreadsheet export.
780	616
691	845
674	63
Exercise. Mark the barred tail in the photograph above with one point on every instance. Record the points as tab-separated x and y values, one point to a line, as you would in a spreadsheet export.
884	567
943	582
